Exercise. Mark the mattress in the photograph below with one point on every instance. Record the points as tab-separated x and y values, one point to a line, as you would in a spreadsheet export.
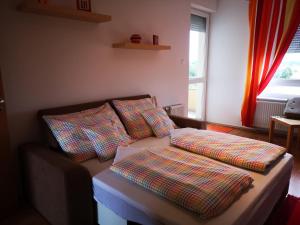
137	204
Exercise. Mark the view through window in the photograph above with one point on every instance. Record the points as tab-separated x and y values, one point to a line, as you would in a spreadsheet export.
286	81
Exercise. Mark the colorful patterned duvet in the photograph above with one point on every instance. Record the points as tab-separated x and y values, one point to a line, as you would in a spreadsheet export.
194	182
242	152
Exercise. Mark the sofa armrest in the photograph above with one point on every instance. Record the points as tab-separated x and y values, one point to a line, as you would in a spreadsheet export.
188	122
58	188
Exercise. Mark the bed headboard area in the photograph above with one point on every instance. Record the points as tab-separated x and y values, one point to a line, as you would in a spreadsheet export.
47	133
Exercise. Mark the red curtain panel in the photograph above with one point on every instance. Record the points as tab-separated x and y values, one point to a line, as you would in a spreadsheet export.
273	24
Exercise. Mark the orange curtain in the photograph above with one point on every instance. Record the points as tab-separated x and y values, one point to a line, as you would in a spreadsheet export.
273	24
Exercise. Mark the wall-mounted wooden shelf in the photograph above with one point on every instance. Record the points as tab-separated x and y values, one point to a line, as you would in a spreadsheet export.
128	45
57	11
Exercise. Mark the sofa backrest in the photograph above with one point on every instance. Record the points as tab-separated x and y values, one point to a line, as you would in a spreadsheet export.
47	133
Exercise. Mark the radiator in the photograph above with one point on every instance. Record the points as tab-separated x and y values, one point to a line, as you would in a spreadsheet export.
265	109
177	110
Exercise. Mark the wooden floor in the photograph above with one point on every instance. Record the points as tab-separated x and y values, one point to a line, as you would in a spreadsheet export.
280	140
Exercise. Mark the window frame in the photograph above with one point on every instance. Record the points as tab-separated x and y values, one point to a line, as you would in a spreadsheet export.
202	79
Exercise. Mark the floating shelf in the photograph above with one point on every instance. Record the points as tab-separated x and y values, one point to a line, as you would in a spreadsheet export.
57	11
128	45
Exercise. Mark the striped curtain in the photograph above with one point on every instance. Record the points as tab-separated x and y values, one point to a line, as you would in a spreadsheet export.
273	24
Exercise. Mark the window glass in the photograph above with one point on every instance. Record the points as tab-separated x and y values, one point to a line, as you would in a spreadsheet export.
197	46
196	98
197	42
289	68
197	62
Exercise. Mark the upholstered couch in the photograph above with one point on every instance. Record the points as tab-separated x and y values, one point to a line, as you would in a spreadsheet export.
59	188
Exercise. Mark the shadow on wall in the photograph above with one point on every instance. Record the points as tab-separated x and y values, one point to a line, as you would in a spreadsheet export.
29	131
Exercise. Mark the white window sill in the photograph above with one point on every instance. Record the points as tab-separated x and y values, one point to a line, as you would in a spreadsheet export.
281	90
270	99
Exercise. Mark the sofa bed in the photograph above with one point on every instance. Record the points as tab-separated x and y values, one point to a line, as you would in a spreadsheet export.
67	189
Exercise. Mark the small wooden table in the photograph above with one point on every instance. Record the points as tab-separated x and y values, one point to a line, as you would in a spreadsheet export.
290	124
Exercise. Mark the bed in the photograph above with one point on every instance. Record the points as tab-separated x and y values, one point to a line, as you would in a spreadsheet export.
119	200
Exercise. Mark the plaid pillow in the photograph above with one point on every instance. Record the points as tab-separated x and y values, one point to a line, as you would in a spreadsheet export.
104	139
130	112
71	139
68	130
159	121
107	112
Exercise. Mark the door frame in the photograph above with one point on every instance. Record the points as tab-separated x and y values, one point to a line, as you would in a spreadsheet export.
203	79
9	192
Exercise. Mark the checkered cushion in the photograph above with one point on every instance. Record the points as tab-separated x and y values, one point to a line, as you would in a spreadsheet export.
71	139
107	112
104	139
68	130
159	121
130	112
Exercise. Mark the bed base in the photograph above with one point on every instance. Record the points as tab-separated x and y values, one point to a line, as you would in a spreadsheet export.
109	217
267	205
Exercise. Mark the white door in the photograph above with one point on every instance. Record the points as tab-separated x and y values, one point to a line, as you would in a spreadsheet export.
198	64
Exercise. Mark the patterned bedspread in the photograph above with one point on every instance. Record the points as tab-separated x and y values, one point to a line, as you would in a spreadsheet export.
194	182
242	152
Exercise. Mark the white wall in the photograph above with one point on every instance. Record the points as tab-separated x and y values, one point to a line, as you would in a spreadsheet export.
206	5
48	62
228	49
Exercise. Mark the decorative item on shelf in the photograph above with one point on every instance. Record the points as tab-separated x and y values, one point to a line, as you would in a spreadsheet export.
155	40
84	5
136	38
43	1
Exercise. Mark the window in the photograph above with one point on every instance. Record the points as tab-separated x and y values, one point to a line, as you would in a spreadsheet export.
286	81
197	64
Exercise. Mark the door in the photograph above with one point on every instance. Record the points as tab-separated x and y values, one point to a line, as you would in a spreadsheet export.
8	187
198	64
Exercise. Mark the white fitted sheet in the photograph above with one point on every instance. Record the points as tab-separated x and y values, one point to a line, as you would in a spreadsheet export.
252	207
